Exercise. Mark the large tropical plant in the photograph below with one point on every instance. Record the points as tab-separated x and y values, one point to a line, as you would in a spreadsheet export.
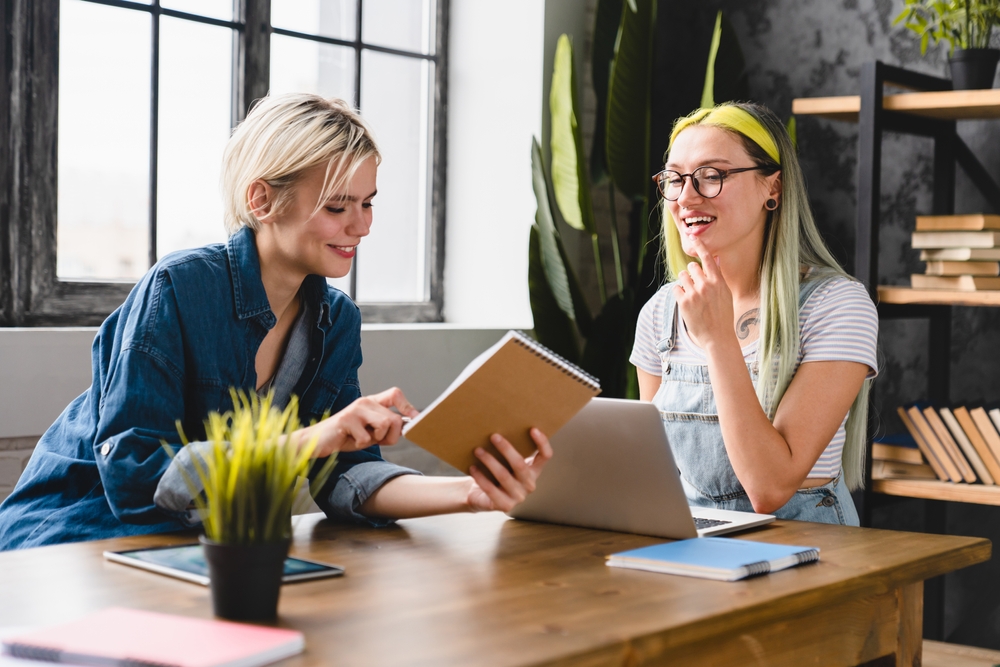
620	160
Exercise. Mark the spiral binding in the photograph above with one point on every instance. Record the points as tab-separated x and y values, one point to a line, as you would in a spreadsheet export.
556	360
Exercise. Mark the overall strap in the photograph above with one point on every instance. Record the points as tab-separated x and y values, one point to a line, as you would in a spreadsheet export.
666	342
811	284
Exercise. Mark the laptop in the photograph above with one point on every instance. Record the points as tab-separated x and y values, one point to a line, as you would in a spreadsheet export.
612	469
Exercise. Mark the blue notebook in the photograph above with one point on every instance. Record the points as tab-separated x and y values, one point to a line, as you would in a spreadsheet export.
720	558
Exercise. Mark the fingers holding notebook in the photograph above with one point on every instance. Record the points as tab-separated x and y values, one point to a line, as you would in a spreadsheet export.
512	486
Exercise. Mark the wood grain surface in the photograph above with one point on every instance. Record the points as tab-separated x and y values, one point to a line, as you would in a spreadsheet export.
487	590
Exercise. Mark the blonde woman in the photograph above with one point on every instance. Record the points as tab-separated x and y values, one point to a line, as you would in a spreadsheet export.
256	313
760	353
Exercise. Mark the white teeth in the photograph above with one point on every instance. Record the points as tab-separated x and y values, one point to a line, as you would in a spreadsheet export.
693	220
345	248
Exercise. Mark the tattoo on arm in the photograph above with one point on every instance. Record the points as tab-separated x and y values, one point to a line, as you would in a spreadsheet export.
746	321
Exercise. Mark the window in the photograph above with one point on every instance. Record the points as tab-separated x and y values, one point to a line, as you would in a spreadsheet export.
120	110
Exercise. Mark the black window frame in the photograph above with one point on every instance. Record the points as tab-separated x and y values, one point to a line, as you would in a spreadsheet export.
30	292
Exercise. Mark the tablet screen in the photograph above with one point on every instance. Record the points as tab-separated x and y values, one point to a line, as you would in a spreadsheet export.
187	561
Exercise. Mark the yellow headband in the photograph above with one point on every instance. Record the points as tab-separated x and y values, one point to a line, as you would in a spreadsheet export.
732	118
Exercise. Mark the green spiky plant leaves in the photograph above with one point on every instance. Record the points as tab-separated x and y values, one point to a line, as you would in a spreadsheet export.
621	64
963	24
253	471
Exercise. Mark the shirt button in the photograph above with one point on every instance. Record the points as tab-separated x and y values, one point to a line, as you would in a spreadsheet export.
828	501
105	449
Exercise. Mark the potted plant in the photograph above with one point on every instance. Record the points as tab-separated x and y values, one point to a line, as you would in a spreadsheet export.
967	26
248	479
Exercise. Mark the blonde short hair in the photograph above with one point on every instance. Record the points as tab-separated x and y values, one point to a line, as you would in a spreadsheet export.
282	137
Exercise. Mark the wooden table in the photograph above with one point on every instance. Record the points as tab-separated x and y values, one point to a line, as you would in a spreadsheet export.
485	590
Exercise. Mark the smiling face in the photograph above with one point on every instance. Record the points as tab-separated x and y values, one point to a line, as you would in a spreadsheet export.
731	223
302	240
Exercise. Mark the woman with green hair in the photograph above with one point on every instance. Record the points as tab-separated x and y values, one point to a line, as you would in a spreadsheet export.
760	351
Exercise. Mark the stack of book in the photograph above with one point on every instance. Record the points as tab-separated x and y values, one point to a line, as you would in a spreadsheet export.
962	252
958	445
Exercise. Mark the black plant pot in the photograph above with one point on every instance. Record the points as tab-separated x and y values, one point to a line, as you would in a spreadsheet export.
973	69
245	578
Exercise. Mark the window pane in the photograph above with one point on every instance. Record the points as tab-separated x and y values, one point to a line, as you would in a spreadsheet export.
304	66
329	18
195	120
104	66
217	9
407	25
396	100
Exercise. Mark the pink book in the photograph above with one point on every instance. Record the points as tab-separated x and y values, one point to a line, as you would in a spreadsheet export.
134	638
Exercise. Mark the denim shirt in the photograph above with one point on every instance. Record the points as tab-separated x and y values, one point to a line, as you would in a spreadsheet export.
188	331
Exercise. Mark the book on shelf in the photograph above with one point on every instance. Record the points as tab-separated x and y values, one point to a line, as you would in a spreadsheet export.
972	222
995	416
721	558
943	268
944	437
902	453
513	386
921	240
899	470
960	254
940	453
987	430
959	283
971	453
925	449
134	638
975	437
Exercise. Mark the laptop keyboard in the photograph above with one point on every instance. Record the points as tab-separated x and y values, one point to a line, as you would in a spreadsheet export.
701	522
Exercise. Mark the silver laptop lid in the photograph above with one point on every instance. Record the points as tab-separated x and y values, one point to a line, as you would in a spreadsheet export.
612	469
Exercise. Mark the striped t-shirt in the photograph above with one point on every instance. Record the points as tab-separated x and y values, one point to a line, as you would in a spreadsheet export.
838	322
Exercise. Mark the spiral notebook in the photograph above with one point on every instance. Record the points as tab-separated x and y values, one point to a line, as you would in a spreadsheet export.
513	386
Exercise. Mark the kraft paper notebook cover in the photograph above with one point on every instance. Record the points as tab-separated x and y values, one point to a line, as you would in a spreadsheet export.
135	638
515	385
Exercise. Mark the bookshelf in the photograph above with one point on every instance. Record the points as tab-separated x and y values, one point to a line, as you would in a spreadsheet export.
928	108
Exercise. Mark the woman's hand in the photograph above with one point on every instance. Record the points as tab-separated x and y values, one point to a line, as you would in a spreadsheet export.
704	299
365	422
485	496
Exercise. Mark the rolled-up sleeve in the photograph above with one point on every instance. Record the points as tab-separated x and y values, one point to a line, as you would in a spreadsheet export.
356	485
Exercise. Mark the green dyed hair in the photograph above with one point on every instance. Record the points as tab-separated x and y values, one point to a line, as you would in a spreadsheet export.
791	243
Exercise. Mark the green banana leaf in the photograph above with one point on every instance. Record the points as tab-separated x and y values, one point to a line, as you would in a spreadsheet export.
708	91
629	93
569	166
607	18
551	258
607	350
553	328
730	69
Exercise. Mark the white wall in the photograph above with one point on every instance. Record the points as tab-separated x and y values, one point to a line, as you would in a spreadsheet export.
500	61
494	108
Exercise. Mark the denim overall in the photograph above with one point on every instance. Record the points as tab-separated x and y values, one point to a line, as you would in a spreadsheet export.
690	417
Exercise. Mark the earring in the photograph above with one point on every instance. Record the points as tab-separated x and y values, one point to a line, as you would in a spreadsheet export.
771	204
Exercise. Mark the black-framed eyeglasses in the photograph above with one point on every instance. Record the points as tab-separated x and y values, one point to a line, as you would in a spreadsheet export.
707	181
